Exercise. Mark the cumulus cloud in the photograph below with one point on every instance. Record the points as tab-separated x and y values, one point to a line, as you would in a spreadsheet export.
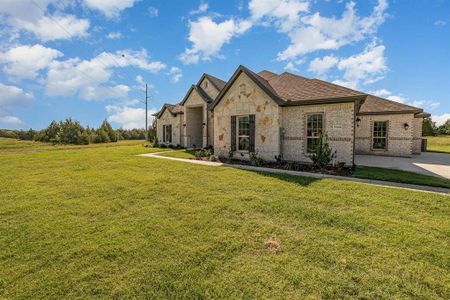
114	35
208	37
316	32
176	74
24	62
110	8
11	121
322	65
87	77
128	117
12	96
366	67
32	16
285	14
440	119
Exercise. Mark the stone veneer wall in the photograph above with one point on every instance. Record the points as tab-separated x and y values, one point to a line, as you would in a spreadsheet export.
400	141
417	135
243	98
168	119
338	125
209	88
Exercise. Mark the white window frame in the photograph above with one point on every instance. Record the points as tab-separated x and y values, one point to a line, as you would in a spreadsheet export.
314	137
242	136
378	137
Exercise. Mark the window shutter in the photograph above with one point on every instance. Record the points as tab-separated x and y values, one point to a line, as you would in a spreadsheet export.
233	133
251	123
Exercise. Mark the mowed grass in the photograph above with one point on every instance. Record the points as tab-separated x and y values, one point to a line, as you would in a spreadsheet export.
438	143
188	154
8	146
105	223
399	176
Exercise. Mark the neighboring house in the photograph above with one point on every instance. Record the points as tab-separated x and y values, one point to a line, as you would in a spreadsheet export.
282	115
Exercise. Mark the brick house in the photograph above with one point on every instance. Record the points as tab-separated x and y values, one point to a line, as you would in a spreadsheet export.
283	114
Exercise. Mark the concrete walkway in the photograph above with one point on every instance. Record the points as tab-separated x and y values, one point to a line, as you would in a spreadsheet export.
389	184
427	163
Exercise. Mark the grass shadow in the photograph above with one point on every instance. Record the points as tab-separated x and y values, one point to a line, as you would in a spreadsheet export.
296	179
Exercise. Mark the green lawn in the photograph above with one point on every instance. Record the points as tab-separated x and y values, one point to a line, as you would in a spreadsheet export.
439	143
104	223
180	154
399	176
18	146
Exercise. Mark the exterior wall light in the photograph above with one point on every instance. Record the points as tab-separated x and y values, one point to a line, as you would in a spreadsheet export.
204	124
358	122
184	125
406	126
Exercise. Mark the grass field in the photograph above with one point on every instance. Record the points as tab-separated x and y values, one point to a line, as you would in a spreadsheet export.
439	143
399	176
101	222
362	172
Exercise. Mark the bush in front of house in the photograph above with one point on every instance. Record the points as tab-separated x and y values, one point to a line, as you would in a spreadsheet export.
323	155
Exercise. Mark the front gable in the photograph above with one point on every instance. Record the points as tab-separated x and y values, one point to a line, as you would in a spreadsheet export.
208	87
195	97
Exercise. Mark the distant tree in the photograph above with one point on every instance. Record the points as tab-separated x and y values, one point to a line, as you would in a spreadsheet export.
101	136
428	127
8	133
444	128
112	134
151	134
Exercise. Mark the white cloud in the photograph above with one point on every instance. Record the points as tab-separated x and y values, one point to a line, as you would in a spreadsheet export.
441	119
128	117
208	37
11	121
104	92
49	28
203	7
322	65
24	62
152	11
12	96
176	74
316	32
87	77
114	35
140	80
284	13
110	8
366	67
440	23
32	16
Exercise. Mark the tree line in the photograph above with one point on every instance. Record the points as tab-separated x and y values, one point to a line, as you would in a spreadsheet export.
72	132
429	128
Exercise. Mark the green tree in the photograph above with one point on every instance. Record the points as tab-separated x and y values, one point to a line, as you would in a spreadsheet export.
444	128
112	134
428	127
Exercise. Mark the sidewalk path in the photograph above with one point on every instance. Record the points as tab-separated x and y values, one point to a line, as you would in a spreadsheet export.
389	184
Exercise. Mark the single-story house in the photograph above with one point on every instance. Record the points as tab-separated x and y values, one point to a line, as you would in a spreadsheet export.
282	115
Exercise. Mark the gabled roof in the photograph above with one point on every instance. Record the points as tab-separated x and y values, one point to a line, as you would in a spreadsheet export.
261	82
200	91
216	82
376	105
289	89
174	110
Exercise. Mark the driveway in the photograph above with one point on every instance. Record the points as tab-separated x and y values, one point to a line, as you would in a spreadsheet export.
428	163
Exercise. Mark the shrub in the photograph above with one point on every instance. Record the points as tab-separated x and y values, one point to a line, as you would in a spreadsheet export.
323	154
256	160
155	142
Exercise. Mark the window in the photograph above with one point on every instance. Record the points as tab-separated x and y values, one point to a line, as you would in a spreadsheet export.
379	135
243	133
167	133
314	129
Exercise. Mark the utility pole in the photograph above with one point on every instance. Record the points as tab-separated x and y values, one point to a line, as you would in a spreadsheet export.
146	110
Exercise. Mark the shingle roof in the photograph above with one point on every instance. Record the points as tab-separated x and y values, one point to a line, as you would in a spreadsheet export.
292	87
377	105
174	109
218	83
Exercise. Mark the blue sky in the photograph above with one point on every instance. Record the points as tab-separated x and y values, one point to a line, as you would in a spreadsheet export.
89	59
